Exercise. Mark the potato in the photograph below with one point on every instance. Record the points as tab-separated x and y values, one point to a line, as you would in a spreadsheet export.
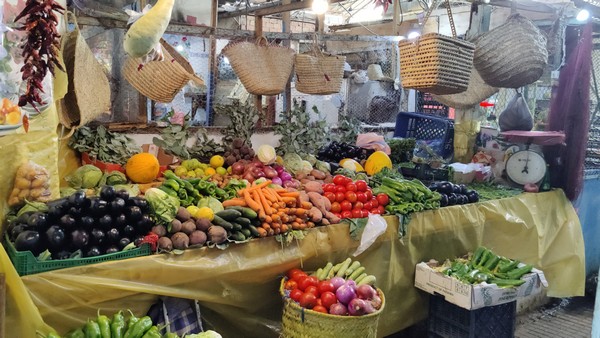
23	194
180	241
38	183
22	183
319	175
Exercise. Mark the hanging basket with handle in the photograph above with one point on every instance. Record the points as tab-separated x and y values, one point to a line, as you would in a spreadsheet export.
318	73
263	69
436	63
161	80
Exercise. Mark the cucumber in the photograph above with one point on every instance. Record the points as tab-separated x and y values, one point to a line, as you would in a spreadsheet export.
229	215
246	232
367	280
357	273
238	236
254	231
236	226
325	272
360	278
221	222
246	212
345	265
243	221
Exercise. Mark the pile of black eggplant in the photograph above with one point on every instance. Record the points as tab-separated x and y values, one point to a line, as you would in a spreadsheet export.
454	194
337	151
80	226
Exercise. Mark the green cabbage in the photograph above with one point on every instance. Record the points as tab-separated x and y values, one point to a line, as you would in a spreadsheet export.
205	334
87	177
163	205
293	163
116	177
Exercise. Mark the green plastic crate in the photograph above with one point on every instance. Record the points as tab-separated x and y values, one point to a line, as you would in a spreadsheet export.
26	263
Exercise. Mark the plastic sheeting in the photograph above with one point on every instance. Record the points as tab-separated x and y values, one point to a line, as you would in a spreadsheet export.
238	287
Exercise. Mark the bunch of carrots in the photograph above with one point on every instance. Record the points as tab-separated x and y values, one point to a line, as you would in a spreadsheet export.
279	210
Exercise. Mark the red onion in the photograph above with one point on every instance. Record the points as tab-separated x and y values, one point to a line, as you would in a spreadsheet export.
345	294
352	284
276	180
279	169
338	309
337	282
365	291
285	176
357	307
531	187
237	168
270	172
376	302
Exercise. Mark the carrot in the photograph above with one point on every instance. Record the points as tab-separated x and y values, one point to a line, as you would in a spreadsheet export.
277	231
307	205
271	232
275	225
266	226
251	203
263	200
300	212
289	199
270	195
268	219
261	232
284	228
238	202
285	218
310	224
276	218
255	187
290	194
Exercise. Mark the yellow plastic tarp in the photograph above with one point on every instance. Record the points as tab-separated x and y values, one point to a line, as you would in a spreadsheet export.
238	287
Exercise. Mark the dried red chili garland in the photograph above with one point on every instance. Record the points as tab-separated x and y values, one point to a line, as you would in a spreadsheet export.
40	48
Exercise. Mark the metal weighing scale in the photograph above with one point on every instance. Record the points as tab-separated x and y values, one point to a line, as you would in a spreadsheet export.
528	166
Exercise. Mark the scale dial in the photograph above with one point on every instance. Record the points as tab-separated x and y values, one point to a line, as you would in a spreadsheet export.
526	166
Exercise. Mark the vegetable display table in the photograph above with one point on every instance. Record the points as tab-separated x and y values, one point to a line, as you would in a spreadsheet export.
238	287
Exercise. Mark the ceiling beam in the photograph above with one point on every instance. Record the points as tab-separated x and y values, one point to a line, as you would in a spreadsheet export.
273	8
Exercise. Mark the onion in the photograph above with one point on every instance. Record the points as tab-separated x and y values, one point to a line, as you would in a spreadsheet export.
337	282
237	168
285	176
276	180
270	172
531	187
365	291
345	294
352	284
376	302
249	177
338	309
357	307
279	169
259	174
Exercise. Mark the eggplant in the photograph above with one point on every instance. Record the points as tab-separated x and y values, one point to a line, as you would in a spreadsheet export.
77	199
98	207
452	199
122	194
29	240
11	225
444	200
63	254
107	193
138	240
463	189
445	188
24	217
112	249
117	205
113	236
120	221
465	199
144	225
17	230
93	251
105	222
57	208
129	231
133	213
473	196
139	202
97	236
67	222
80	238
433	186
76	212
456	189
123	242
87	222
55	237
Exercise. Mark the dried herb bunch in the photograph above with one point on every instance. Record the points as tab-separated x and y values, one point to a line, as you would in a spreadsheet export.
243	119
40	47
104	145
299	134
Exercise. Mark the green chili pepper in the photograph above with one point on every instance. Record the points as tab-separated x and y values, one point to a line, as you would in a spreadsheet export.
518	273
168	190
92	330
131	322
104	324
491	263
172	184
118	326
52	335
75	334
509	267
170	335
138	330
152	333
506	282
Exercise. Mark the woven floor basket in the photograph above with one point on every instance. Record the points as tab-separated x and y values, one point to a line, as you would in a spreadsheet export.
436	64
303	323
161	80
263	69
319	74
477	91
511	55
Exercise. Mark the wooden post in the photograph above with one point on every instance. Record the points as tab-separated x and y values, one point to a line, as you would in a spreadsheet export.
397	17
2	305
320	23
258	32
214	65
287	28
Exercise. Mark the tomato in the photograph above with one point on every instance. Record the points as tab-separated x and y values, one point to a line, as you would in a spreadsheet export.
325	286
337	214
339	180
357	213
291	284
296	294
376	211
365	213
319	302
308	300
369	194
320	308
340	197
361	185
374	202
293	272
330	196
381	209
340	188
335	207
358	205
307	281
346	214
346	206
367	206
329	187
361	197
328	298
312	289
350	196
350	187
383	199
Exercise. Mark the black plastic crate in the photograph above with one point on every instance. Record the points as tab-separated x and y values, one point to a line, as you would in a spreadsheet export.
426	128
425	172
447	320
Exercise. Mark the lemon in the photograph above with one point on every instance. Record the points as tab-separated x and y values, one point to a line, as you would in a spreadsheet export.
191	174
193	210
203	166
195	163
180	171
210	171
221	171
199	172
229	170
14	117
205	212
217	161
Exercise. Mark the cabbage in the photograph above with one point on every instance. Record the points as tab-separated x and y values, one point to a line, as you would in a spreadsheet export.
132	189
323	166
87	177
163	205
311	159
205	334
293	162
306	167
116	177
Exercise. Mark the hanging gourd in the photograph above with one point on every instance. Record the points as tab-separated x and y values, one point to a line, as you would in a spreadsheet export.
144	35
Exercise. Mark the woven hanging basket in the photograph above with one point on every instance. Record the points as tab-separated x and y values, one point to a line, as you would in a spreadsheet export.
476	92
436	63
263	69
512	55
88	94
319	74
299	322
161	80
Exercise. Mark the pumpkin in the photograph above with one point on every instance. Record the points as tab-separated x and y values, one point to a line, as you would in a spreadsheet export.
377	161
142	168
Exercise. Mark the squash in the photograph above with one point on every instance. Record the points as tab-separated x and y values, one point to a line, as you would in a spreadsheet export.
351	165
266	154
377	161
146	32
142	168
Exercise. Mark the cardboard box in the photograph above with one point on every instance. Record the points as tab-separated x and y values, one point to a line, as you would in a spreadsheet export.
164	159
472	297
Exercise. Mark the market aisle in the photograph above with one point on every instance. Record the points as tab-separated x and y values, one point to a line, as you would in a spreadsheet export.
568	317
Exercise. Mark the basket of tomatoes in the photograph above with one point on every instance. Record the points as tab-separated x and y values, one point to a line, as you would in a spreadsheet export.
317	306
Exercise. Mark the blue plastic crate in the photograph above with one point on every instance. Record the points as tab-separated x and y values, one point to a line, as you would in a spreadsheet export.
447	320
426	128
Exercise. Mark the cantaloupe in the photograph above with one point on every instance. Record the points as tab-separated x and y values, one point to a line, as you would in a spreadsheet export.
142	168
377	161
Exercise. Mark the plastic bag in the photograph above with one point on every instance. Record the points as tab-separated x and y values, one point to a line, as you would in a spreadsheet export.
376	226
373	141
32	183
516	115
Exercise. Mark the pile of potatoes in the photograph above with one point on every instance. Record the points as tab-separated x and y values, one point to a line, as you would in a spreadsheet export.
187	231
32	183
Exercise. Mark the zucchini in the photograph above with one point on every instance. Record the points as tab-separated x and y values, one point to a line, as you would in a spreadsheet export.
229	215
238	236
357	273
325	272
370	279
236	226
246	212
345	265
243	221
223	223
246	232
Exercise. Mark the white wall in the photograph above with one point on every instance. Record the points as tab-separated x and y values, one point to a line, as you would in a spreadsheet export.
257	139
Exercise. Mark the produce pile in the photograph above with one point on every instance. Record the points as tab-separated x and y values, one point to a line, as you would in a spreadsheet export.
118	326
337	151
10	113
484	266
453	194
407	196
353	199
341	290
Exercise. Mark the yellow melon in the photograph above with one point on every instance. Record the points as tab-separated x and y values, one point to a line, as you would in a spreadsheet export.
377	161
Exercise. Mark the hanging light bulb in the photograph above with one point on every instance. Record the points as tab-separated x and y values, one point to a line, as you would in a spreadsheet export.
320	6
413	35
583	15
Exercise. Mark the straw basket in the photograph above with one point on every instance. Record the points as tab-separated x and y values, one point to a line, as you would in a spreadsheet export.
263	69
319	74
299	322
512	55
161	80
477	91
88	94
436	63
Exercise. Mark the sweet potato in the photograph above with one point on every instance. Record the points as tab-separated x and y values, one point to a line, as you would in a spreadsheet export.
318	174
312	186
315	215
317	200
304	197
332	218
